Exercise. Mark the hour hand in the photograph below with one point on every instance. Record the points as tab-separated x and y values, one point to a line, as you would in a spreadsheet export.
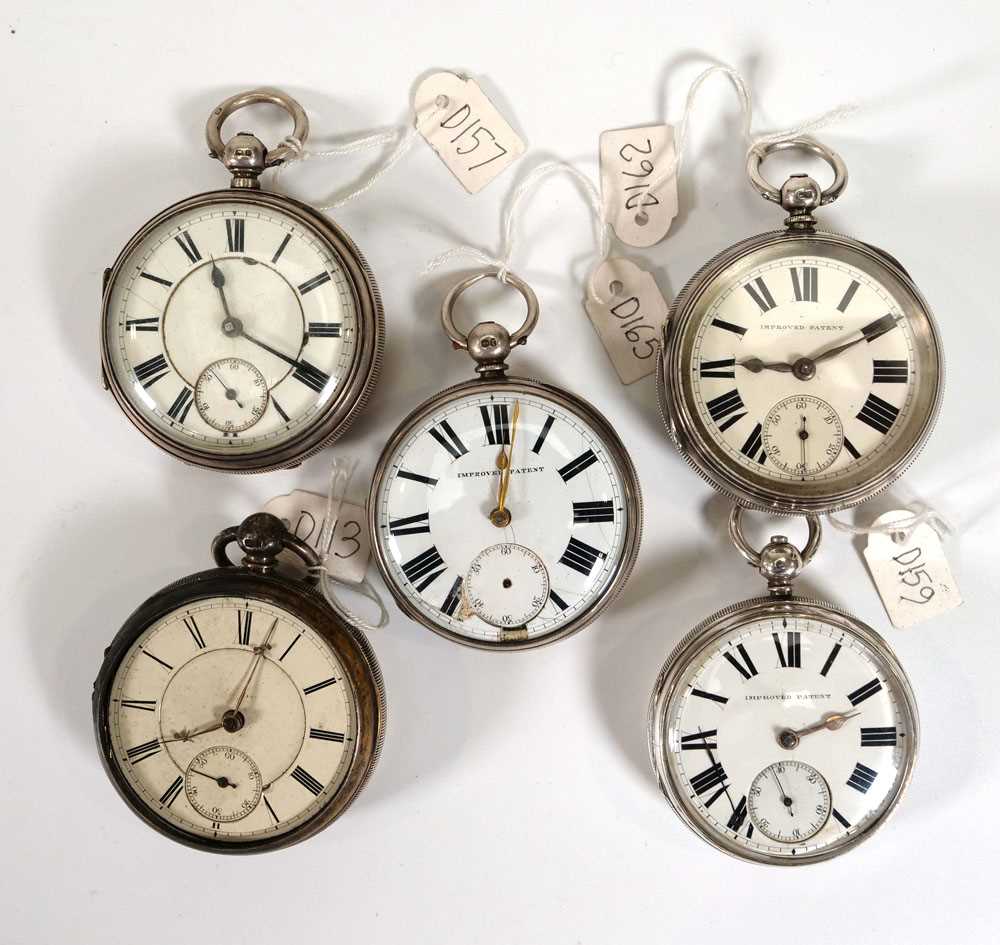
755	366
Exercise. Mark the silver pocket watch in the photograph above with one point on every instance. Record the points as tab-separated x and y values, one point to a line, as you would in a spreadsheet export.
505	513
241	330
782	730
801	369
236	711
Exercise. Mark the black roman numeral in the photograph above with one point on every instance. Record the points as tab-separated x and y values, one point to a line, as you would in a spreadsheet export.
451	602
739	815
146	705
744	665
544	433
416	477
790	655
187	244
879	327
863	692
277	407
315	687
314	282
192	627
143	751
307	780
557	600
761	295
580	556
862	778
288	649
753	447
170	794
448	438
325	736
851	448
236	235
182	404
726	405
600	511
411	525
699	740
709	778
496	423
841	819
701	694
325	329
143	324
877	736
423	564
890	372
156	659
805	283
729	326
878	414
311	376
149	372
576	466
848	295
281	248
724	368
829	660
244	620
270	809
156	279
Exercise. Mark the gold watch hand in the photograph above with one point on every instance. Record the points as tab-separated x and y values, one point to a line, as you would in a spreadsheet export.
500	516
789	738
257	659
185	736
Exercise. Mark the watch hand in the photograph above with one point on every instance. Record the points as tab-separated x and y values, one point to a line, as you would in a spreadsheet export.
185	736
832	352
803	436
257	659
219	281
785	799
500	516
755	366
230	392
831	722
222	780
233	327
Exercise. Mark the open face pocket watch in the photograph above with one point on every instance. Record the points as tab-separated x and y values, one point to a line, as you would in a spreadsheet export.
241	330
782	730
236	711
801	369
505	513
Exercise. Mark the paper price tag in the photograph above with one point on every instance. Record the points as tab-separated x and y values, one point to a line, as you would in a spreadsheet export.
628	318
912	577
464	127
637	187
304	514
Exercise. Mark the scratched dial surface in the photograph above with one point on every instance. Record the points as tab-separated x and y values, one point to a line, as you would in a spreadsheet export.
719	745
566	499
231	284
299	721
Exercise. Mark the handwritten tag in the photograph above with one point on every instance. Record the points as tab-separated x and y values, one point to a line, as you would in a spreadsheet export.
912	577
304	514
638	185
464	127
628	318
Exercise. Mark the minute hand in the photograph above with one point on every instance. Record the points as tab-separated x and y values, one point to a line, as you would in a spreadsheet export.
833	352
263	344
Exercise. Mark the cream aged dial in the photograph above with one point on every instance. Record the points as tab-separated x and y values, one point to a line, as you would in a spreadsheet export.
236	711
241	330
504	513
793	328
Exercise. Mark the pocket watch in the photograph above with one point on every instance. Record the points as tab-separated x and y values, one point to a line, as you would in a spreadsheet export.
241	330
236	711
505	513
801	369
782	730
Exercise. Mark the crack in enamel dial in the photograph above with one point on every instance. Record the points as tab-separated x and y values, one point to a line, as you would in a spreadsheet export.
784	732
250	285
496	473
788	326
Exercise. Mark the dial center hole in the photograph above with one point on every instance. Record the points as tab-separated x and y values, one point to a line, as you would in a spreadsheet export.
508	583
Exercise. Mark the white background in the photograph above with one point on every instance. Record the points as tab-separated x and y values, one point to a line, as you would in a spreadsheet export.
514	800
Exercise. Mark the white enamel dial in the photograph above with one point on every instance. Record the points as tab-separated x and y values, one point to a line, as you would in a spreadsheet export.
260	776
221	283
231	395
802	435
507	585
813	326
565	500
786	738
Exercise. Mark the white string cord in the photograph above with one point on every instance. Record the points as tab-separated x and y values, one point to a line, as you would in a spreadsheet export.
901	530
501	262
340	477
